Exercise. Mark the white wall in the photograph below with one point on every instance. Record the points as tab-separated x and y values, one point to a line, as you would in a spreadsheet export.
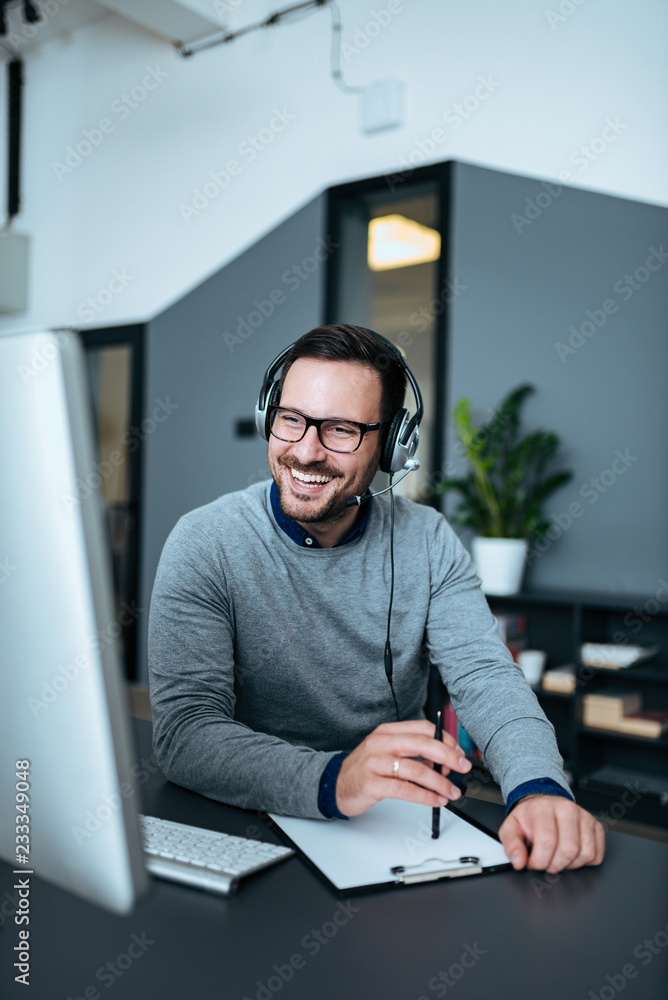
553	87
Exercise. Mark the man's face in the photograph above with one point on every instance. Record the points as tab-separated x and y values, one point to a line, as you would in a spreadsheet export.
325	389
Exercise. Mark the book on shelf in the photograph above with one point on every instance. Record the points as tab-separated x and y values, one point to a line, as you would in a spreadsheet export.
450	721
452	725
513	629
651	723
615	656
560	679
610	704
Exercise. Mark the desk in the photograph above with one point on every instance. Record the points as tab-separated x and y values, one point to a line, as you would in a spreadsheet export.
523	935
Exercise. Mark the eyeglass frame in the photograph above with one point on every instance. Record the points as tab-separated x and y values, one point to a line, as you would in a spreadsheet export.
318	422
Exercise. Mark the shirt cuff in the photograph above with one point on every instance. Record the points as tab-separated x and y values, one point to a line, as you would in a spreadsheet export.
327	790
537	786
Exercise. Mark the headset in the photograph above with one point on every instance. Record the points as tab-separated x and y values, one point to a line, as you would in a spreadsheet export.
398	451
402	437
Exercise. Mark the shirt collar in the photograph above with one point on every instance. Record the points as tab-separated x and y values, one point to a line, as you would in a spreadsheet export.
303	538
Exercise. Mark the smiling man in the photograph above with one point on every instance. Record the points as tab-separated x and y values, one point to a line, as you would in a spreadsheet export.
269	617
315	483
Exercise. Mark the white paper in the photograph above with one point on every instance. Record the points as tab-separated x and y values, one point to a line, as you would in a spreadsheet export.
362	850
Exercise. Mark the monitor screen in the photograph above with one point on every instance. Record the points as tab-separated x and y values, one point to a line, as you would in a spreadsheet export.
69	801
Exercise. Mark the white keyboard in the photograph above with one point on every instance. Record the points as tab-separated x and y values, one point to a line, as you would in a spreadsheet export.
205	859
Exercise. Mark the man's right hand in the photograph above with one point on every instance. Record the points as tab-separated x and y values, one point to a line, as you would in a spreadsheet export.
367	774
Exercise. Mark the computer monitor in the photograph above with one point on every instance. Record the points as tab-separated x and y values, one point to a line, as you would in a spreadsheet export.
65	746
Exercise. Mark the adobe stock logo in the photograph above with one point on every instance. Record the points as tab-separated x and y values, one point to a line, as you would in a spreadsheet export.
247	151
6	570
93	305
122	107
645	953
625	288
364	34
565	10
312	943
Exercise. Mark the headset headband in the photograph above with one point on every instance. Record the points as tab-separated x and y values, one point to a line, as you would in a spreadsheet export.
416	419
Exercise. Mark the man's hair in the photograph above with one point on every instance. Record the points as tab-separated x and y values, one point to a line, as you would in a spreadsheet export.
343	342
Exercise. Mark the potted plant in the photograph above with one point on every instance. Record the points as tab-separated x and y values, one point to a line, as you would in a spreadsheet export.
501	495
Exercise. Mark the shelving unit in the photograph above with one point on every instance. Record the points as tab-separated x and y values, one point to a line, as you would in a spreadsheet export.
614	774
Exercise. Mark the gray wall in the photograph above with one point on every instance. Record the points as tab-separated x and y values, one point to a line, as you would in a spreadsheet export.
525	289
202	362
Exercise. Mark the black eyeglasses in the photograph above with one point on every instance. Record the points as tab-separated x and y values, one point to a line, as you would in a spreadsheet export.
344	436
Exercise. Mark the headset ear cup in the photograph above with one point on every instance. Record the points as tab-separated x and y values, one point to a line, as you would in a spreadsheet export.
391	441
273	396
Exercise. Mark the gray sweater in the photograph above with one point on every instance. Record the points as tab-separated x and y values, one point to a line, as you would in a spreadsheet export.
266	658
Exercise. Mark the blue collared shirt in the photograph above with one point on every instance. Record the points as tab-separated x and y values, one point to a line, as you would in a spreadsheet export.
327	790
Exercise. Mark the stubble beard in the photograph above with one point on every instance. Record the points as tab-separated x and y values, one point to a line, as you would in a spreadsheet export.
335	509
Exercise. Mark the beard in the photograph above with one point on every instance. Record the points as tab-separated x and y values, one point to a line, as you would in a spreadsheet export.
332	509
316	509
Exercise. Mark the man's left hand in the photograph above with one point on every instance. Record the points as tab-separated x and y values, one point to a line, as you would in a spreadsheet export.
551	833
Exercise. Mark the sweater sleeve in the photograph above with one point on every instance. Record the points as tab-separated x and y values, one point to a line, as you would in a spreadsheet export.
489	692
196	739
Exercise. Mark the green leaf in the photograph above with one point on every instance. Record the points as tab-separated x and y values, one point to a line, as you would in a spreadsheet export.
510	476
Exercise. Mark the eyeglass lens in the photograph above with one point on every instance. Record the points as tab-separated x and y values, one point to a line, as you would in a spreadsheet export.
337	435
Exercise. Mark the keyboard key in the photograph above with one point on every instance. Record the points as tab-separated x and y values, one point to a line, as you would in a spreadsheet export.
204	858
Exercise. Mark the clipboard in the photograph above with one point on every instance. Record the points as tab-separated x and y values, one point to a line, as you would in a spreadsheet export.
390	846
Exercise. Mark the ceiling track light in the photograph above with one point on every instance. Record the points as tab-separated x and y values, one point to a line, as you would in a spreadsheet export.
31	14
271	21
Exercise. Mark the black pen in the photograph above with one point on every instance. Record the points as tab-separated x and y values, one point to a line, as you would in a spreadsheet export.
436	811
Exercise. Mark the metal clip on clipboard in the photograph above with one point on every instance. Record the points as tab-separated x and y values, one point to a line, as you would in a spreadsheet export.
465	866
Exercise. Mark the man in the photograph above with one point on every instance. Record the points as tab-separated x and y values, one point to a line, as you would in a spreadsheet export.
268	624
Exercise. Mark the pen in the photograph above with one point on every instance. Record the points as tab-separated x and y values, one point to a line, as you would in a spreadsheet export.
436	812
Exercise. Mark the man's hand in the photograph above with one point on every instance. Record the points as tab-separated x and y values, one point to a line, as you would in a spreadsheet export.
550	833
367	774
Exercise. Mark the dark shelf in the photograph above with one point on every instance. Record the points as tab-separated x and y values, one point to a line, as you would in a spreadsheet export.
557	695
614	782
559	621
584	598
660	742
533	597
657	672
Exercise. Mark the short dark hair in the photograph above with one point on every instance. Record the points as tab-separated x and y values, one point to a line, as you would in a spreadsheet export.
344	342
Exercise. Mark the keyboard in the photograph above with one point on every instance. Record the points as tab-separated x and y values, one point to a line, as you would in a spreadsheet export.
205	859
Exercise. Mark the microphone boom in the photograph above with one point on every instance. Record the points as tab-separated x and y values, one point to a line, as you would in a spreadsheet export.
412	465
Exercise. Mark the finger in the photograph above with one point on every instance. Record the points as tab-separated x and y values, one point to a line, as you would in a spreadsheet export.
386	736
512	839
421	726
424	775
570	836
544	832
412	745
600	843
588	846
406	790
592	841
416	727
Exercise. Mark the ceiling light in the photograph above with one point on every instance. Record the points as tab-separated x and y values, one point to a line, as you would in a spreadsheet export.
30	14
395	241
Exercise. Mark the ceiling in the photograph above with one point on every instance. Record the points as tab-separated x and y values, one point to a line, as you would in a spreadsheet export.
172	20
22	38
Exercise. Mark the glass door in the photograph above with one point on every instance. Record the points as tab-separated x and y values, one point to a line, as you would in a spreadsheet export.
385	275
113	360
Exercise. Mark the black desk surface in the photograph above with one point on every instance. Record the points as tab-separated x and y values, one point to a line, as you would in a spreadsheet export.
519	935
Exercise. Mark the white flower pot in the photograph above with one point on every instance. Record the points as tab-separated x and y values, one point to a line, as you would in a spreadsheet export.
500	563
